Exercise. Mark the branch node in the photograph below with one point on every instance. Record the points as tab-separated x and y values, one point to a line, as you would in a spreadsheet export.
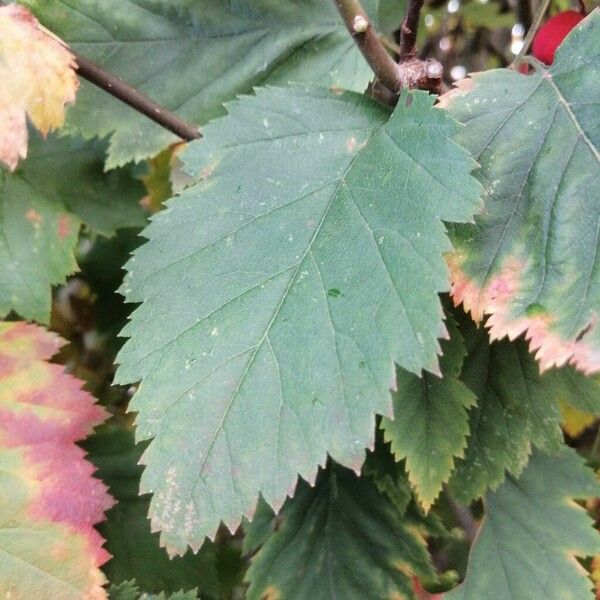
360	24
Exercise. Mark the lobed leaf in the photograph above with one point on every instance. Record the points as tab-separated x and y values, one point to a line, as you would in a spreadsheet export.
340	539
50	501
38	79
531	533
292	277
531	260
201	55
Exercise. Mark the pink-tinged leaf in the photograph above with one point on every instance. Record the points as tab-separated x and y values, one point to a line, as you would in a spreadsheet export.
50	501
38	79
530	263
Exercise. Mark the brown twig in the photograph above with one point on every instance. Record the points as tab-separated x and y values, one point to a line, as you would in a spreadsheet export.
408	31
411	73
129	95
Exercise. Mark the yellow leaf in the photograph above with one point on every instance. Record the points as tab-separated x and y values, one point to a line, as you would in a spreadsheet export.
574	421
38	78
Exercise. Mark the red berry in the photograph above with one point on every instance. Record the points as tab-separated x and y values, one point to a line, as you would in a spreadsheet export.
552	33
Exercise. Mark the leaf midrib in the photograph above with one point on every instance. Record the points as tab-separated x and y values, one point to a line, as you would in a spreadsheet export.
277	309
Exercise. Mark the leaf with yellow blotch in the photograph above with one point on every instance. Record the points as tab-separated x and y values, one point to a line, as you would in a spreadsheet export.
50	501
38	79
575	421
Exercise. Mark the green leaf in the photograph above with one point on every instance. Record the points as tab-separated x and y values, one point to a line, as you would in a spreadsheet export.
70	171
129	590
430	422
134	548
531	533
340	539
37	239
531	261
41	208
291	279
516	406
192	56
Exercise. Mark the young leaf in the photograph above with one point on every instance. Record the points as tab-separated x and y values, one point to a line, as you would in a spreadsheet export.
291	279
430	422
531	533
531	260
203	54
50	501
38	79
340	539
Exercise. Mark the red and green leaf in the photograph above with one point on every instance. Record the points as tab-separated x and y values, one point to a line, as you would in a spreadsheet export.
531	260
50	501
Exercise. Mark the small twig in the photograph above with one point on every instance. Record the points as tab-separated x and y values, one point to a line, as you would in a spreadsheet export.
410	26
412	73
537	21
464	517
132	97
524	13
389	44
125	93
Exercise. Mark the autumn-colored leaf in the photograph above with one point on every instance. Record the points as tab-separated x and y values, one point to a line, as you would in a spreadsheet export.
530	262
38	79
50	501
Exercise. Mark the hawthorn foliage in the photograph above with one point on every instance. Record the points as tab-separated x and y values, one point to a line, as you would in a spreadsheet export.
332	322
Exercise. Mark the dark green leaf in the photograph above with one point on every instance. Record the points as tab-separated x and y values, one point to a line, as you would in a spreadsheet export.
340	539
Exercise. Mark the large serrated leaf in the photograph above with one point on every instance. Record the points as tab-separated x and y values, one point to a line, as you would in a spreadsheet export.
50	501
277	294
532	261
340	539
531	533
430	422
192	56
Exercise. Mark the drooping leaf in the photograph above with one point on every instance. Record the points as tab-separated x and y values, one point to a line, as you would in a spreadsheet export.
531	533
203	54
531	261
36	247
292	277
134	548
50	501
514	408
430	421
340	539
38	79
